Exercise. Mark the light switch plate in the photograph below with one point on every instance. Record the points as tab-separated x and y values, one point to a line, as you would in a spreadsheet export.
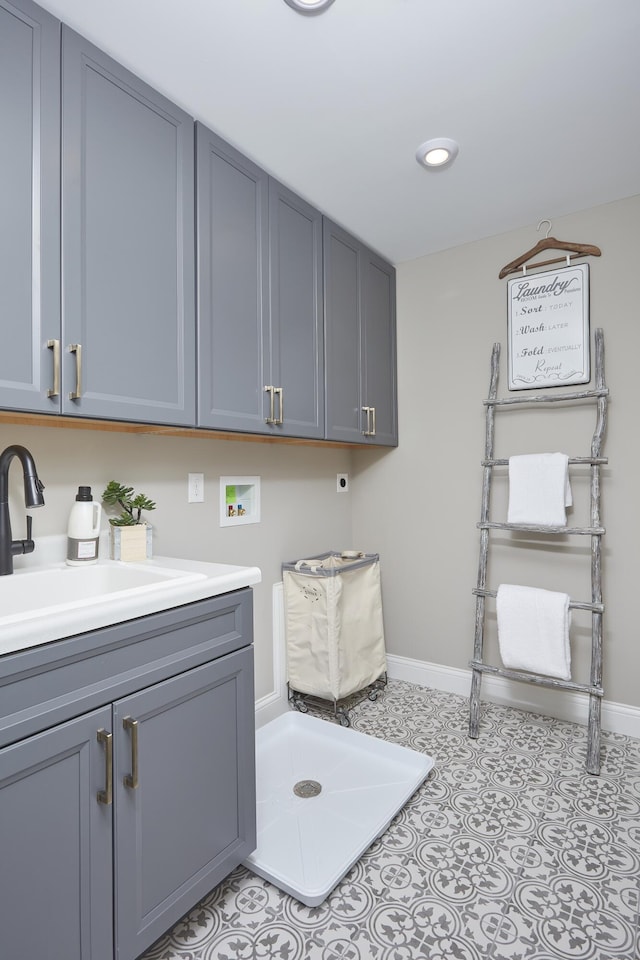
195	488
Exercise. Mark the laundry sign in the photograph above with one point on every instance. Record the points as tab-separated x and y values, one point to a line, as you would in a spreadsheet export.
548	328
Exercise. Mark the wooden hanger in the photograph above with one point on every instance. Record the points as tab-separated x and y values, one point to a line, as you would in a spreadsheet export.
550	243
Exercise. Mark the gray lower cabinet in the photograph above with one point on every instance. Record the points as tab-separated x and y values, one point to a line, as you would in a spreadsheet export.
259	269
128	310
55	838
181	817
30	203
115	819
360	341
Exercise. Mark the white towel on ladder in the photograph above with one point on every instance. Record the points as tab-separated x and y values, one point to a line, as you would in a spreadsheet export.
533	630
539	489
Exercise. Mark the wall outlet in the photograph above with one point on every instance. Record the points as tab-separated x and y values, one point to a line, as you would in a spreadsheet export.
342	483
195	488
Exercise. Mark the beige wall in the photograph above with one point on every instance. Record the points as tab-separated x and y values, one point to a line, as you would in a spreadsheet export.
419	504
301	511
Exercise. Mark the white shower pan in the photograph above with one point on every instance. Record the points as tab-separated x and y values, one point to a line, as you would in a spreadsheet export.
324	794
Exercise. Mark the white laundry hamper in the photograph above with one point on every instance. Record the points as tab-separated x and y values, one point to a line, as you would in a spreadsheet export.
333	624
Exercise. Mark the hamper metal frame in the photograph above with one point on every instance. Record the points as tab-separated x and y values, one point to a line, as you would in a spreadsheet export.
339	708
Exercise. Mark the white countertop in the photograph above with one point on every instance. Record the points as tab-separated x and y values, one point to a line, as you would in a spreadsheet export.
44	619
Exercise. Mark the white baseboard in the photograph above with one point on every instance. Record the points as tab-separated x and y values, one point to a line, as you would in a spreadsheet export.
616	717
269	707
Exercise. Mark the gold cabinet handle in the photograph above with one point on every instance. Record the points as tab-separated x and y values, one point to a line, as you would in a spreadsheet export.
280	419
77	349
131	779
270	418
54	345
106	796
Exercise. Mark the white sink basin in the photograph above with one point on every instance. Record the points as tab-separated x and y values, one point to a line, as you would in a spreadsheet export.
45	600
26	594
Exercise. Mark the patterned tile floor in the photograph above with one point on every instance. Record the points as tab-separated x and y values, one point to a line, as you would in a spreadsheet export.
509	851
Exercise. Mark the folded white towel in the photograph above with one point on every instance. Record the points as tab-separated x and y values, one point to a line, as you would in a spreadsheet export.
539	489
533	630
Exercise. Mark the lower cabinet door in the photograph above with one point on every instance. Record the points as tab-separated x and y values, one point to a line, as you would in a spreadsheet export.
185	794
55	844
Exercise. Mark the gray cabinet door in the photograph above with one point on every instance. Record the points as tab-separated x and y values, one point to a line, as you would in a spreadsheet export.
55	838
379	347
360	341
30	204
188	818
342	297
259	256
233	287
127	244
296	314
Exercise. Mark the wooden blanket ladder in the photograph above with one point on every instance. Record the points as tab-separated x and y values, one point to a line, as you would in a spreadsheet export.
595	531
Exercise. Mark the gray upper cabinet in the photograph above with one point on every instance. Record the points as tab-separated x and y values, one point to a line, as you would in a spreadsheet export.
29	200
360	342
296	372
125	347
379	349
103	254
233	286
259	256
128	311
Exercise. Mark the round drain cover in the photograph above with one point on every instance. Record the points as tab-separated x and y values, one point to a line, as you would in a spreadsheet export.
307	788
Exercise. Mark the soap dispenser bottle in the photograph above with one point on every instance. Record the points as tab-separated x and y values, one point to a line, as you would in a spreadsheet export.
83	530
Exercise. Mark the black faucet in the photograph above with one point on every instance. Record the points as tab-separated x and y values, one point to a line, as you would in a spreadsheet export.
33	488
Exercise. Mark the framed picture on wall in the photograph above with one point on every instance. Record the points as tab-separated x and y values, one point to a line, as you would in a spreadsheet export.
548	328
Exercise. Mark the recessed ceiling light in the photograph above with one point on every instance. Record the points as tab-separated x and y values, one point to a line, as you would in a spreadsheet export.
438	153
309	6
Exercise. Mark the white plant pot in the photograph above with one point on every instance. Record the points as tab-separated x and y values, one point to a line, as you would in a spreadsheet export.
133	543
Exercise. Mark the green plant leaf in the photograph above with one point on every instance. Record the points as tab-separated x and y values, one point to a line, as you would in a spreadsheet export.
117	495
142	502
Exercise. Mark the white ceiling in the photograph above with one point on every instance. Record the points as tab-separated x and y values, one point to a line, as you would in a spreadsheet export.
542	97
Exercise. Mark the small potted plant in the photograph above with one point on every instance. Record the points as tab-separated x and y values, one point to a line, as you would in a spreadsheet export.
130	537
